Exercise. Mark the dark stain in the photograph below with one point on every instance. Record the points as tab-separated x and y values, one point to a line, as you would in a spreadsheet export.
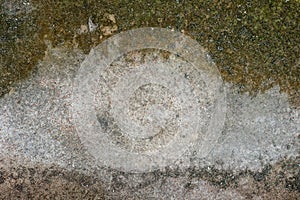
39	182
2	179
48	182
293	183
284	175
260	176
104	122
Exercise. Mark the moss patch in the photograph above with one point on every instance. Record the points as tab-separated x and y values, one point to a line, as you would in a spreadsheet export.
255	44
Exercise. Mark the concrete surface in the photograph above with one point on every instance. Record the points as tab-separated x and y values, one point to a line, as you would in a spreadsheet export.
79	120
37	129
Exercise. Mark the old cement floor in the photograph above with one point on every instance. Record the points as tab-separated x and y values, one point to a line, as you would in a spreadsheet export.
41	157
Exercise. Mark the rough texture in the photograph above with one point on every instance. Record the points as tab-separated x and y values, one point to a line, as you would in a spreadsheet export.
256	157
144	114
254	44
19	181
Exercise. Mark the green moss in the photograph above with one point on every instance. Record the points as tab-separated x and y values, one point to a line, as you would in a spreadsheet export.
20	48
255	44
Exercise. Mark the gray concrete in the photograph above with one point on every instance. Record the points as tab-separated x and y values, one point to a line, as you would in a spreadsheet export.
37	124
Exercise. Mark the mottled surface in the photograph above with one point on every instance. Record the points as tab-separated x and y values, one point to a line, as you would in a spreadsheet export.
254	44
256	156
26	181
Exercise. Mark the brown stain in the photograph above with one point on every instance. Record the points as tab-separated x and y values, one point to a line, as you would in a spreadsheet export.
255	44
38	181
47	182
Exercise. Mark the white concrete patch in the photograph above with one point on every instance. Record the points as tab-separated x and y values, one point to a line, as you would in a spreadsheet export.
36	120
112	100
258	131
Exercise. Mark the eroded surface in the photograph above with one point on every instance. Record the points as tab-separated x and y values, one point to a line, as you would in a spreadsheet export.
255	46
258	149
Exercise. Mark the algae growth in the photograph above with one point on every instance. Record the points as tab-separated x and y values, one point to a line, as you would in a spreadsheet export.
255	44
